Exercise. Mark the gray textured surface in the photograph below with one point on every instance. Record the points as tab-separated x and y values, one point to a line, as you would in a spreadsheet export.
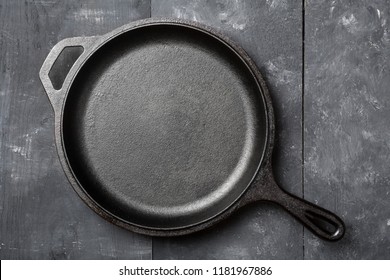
270	31
347	148
41	216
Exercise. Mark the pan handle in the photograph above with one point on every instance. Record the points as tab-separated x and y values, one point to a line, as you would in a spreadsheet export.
318	220
53	94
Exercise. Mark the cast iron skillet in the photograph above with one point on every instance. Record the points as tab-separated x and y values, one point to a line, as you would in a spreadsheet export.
165	127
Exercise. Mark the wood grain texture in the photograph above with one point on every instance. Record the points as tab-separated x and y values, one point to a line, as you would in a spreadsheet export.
347	151
270	31
41	216
346	147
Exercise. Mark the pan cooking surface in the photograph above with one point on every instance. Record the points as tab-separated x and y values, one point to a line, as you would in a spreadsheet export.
164	126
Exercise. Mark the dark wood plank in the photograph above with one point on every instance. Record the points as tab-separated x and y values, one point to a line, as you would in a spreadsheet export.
270	31
41	216
347	151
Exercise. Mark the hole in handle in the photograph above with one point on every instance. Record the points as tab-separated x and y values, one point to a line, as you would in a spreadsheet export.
63	64
327	225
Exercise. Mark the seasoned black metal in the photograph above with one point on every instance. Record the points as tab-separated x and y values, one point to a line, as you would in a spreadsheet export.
165	127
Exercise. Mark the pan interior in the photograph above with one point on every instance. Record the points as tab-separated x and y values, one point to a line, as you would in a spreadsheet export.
164	126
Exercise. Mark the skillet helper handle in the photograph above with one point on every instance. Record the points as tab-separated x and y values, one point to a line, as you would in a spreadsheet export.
55	95
320	221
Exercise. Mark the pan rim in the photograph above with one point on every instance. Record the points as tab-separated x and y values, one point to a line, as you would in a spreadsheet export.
262	91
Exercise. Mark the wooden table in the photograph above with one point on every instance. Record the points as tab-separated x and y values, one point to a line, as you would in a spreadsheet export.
327	65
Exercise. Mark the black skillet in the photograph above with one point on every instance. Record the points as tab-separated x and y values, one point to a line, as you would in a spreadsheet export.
165	127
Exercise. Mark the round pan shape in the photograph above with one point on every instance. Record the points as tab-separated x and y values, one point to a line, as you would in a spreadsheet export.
165	127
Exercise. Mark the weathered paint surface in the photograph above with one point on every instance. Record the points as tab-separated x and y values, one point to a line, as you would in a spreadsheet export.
347	148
